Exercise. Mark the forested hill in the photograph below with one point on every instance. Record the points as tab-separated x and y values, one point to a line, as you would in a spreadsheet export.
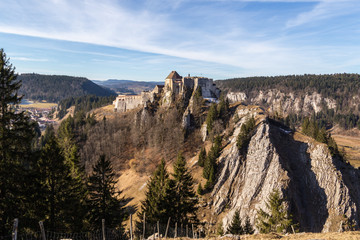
330	98
54	88
128	86
328	85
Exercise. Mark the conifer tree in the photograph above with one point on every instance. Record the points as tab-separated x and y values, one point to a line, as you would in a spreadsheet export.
276	218
62	197
202	157
16	135
223	108
244	137
210	166
104	201
197	106
184	194
235	227
248	228
210	162
158	203
200	189
211	117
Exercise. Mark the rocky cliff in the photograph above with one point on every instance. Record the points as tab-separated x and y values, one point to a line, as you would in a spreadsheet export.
286	103
321	191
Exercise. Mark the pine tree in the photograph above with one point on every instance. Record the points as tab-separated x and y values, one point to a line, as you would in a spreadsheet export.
248	228
211	117
62	196
158	203
104	201
210	163
277	218
244	137
202	157
200	189
197	106
235	227
184	194
16	136
223	109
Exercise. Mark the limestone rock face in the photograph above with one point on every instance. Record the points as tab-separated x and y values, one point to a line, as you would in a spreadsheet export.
285	102
319	190
236	97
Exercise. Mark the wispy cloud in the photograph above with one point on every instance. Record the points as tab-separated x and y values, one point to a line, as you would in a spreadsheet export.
229	32
26	59
325	9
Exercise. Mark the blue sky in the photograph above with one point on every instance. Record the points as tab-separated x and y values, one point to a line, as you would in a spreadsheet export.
145	40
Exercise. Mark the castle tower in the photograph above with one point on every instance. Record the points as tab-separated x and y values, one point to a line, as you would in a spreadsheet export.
173	82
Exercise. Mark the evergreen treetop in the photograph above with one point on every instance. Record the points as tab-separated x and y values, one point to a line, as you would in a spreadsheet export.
235	227
276	218
104	199
16	155
185	197
202	157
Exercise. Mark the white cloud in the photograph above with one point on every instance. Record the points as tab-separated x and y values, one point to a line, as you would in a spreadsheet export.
325	9
26	59
148	27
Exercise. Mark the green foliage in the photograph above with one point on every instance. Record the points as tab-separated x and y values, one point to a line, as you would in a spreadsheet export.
200	189
83	103
223	108
218	114
158	198
167	197
16	156
235	226
211	117
197	108
246	132
54	88
210	165
248	228
202	157
184	194
310	127
340	87
220	230
104	200
276	218
62	194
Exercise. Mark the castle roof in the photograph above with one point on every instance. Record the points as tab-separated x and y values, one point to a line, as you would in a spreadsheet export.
173	75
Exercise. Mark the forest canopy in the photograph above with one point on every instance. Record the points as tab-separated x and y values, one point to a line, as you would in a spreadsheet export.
54	88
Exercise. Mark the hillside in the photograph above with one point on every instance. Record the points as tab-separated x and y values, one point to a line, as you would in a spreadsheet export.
54	88
232	156
127	86
331	99
318	186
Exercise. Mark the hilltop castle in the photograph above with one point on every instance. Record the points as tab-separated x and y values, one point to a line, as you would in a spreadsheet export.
175	85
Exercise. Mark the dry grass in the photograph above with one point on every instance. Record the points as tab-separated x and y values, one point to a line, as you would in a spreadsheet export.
41	105
351	146
298	236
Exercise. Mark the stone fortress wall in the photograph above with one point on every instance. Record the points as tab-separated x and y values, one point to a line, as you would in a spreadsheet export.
174	85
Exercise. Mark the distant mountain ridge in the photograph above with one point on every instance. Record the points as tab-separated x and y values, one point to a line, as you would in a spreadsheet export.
54	88
128	86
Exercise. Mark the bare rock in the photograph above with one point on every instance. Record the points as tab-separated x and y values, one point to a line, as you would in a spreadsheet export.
318	188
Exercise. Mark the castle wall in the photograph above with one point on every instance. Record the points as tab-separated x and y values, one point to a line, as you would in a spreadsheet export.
124	103
208	88
174	84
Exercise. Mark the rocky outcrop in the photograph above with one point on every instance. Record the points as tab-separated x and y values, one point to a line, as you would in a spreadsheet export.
319	190
236	97
285	103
